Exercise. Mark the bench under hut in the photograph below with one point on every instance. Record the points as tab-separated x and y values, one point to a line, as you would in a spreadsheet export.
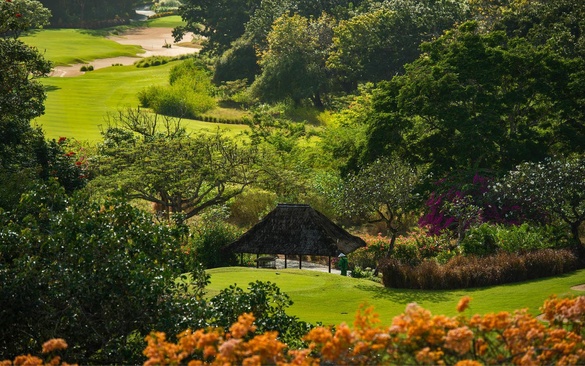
296	230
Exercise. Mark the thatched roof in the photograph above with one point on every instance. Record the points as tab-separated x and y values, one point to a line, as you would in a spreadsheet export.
295	229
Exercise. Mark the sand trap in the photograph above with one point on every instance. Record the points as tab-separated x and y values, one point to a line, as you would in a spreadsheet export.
578	288
151	40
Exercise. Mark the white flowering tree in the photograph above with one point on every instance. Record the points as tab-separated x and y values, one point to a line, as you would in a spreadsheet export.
555	187
383	191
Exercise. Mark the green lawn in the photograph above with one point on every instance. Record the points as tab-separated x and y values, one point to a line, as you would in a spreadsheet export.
76	106
71	46
332	299
165	22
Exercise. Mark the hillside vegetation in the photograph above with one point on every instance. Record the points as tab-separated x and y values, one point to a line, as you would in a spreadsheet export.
448	135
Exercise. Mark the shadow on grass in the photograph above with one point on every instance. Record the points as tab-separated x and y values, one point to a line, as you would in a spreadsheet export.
404	296
50	88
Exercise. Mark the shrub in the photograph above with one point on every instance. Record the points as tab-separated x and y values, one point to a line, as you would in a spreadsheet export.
480	240
474	271
486	239
415	337
267	304
101	276
376	248
188	96
209	237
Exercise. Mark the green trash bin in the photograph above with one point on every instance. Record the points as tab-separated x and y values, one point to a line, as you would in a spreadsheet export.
343	264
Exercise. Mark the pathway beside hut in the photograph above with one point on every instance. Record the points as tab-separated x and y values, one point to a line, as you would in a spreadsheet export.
292	264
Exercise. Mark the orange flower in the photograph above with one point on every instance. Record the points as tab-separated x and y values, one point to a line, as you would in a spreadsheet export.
468	363
459	340
463	304
27	360
428	357
243	325
54	344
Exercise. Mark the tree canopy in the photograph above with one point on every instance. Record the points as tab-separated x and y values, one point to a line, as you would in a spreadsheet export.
179	173
502	98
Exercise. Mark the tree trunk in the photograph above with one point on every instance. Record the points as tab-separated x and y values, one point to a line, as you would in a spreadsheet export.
317	102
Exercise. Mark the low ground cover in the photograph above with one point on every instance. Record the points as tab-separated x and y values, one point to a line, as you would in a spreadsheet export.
332	299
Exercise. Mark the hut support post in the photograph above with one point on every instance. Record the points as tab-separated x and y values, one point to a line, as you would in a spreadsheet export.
241	259
329	264
300	262
285	261
257	261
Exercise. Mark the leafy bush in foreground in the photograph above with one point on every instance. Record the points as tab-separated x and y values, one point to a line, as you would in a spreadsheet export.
100	276
415	337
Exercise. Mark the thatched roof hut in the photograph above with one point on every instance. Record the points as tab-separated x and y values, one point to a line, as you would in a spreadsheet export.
295	229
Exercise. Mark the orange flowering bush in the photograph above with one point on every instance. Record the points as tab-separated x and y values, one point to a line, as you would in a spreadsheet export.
414	337
50	347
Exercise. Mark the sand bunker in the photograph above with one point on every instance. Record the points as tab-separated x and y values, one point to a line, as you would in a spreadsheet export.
152	40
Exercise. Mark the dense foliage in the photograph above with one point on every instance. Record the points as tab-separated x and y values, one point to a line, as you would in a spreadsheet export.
414	337
152	158
188	96
98	274
465	115
90	14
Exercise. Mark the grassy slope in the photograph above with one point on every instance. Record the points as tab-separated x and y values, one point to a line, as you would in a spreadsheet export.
333	299
76	107
70	46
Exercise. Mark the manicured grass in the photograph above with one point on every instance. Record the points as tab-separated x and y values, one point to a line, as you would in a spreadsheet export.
70	46
165	22
76	106
332	299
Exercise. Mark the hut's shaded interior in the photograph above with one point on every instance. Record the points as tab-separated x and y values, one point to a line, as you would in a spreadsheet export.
296	229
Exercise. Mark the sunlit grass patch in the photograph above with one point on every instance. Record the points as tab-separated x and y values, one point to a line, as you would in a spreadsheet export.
70	46
333	299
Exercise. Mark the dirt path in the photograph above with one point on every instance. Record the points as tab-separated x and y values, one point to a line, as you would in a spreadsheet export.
151	40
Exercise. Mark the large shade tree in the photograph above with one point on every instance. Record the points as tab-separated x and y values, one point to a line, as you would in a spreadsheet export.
178	173
221	22
383	191
376	44
503	99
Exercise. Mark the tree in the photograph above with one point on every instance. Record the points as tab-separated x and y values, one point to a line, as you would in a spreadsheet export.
90	14
22	148
293	65
553	187
101	275
220	21
375	45
178	173
500	97
384	189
